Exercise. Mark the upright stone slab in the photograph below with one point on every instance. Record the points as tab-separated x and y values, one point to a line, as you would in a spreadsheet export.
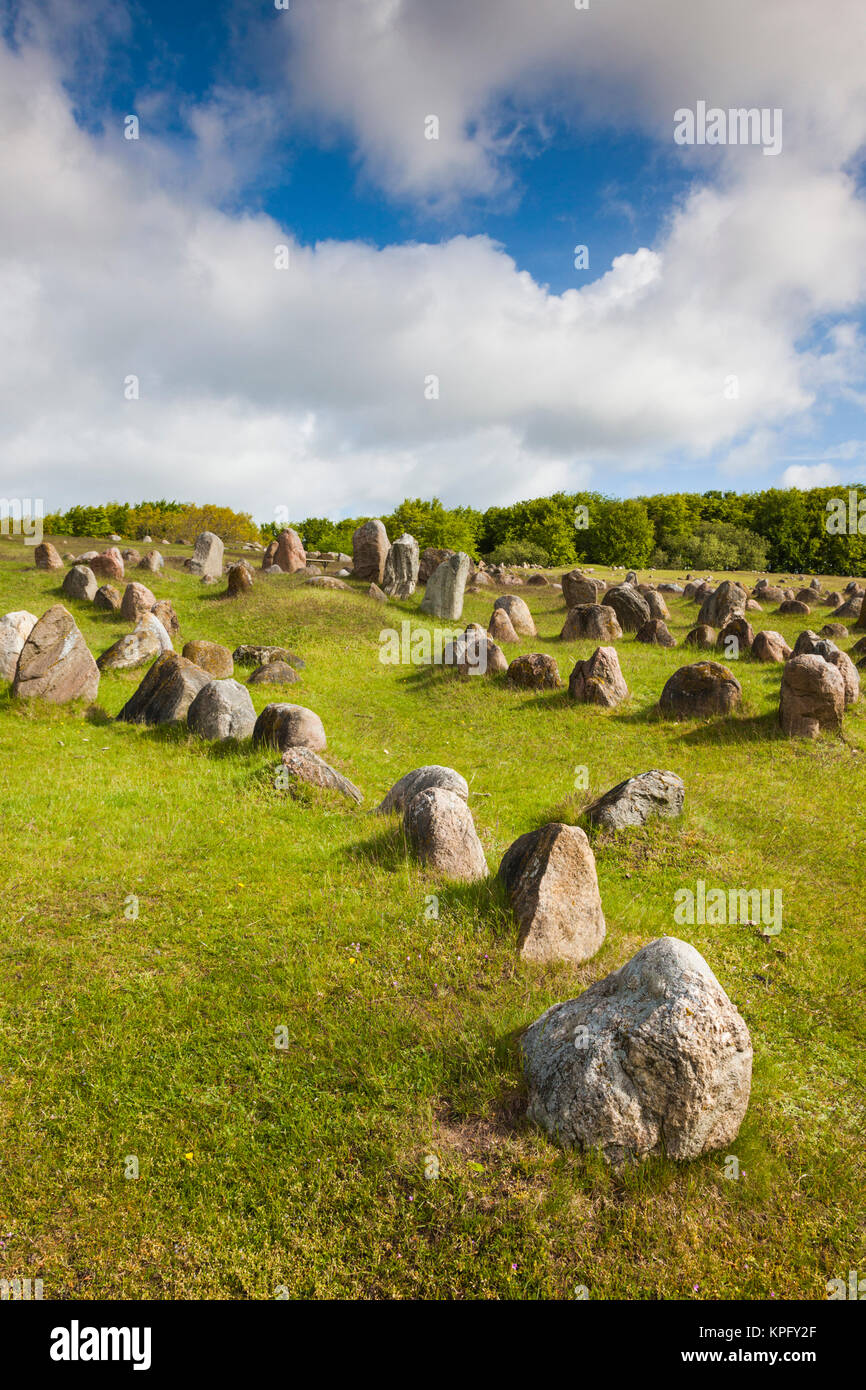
401	568
289	554
443	597
370	551
222	709
15	628
207	556
166	692
552	885
80	582
55	663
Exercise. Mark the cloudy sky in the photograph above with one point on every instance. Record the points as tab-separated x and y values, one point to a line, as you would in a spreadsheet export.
425	329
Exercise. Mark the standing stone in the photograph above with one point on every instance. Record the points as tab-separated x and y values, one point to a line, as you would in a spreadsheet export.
80	582
812	697
633	802
701	690
401	567
501	628
652	1059
440	829
419	780
289	726
137	600
15	628
535	671
552	885
443	597
166	692
370	551
655	633
770	646
45	557
656	604
222	709
207	556
55	663
861	616
107	599
289	554
211	657
519	613
240	580
598	680
630	606
374	592
728	601
152	562
591	620
268	557
108	565
274	673
742	632
579	589
163	609
702	637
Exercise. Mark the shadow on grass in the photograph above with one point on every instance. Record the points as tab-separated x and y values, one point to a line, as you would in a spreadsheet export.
387	848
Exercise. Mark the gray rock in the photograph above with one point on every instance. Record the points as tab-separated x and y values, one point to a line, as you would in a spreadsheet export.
401	568
80	582
289	726
303	765
15	628
812	697
440	829
727	602
55	663
222	709
443	596
419	780
633	801
652	1059
207	556
550	878
166	693
519	614
630	606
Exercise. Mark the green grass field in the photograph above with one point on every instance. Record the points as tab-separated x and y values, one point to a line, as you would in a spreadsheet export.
302	1169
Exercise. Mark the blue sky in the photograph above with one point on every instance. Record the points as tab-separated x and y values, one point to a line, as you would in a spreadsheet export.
715	339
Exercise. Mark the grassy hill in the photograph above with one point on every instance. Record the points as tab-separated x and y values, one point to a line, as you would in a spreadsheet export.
302	1168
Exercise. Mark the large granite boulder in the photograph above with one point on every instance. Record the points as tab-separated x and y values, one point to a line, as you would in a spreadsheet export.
443	596
207	556
579	588
137	600
519	614
107	599
302	765
595	621
108	565
419	780
652	1059
535	671
699	691
770	646
369	552
149	639
240	579
630	606
702	637
212	657
656	633
401	568
55	663
598	680
289	726
80	582
166	692
725	603
635	800
439	827
289	554
550	878
45	557
501	628
812	697
222	709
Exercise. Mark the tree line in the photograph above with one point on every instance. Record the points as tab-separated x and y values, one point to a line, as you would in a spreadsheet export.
819	530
